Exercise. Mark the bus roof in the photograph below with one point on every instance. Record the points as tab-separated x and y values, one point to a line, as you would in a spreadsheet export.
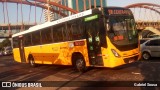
48	24
72	17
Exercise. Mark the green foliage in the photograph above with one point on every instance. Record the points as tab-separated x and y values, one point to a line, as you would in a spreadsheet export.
1	46
5	43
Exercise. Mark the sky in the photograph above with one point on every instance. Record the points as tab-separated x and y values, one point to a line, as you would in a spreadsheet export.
123	3
12	11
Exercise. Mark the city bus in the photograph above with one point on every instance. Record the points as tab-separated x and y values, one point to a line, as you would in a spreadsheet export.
100	37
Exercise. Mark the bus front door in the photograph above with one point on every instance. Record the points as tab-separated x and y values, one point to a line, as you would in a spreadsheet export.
93	44
21	50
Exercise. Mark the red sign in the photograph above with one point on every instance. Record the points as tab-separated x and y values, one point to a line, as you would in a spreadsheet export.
118	38
110	11
79	43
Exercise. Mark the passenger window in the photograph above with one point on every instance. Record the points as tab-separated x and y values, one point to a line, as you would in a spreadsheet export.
15	42
69	32
77	30
58	34
66	32
36	38
27	40
46	36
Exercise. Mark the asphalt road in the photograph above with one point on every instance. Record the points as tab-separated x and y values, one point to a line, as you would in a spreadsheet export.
135	72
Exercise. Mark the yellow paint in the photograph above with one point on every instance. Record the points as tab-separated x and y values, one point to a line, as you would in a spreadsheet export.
16	55
111	61
58	53
61	53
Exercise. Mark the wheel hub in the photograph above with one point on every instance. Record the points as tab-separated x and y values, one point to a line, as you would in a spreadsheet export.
79	64
146	56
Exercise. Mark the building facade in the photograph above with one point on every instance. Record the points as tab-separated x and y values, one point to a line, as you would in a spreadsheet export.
79	5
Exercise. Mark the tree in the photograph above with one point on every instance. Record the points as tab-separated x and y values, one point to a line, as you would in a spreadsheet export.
5	43
1	46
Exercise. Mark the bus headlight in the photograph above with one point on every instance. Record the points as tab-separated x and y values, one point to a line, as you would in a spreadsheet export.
115	53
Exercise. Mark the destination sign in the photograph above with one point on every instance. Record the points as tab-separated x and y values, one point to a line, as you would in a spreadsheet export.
91	18
119	12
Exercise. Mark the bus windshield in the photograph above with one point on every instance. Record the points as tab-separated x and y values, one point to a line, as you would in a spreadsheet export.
122	30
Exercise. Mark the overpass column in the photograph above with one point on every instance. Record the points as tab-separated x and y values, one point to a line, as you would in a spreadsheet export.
9	28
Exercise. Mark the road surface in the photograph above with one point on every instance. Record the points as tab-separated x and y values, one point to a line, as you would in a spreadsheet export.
138	71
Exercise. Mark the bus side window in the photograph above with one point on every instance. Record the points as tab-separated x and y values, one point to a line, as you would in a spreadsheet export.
82	29
58	34
74	29
27	40
36	39
15	42
46	36
77	31
69	32
65	33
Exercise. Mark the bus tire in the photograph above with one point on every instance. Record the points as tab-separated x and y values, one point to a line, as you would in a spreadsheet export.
32	62
80	64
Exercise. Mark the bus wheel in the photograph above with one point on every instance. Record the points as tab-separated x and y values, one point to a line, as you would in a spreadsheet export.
146	56
80	64
31	61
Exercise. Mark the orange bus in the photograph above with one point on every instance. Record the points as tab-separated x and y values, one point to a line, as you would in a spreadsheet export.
100	37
